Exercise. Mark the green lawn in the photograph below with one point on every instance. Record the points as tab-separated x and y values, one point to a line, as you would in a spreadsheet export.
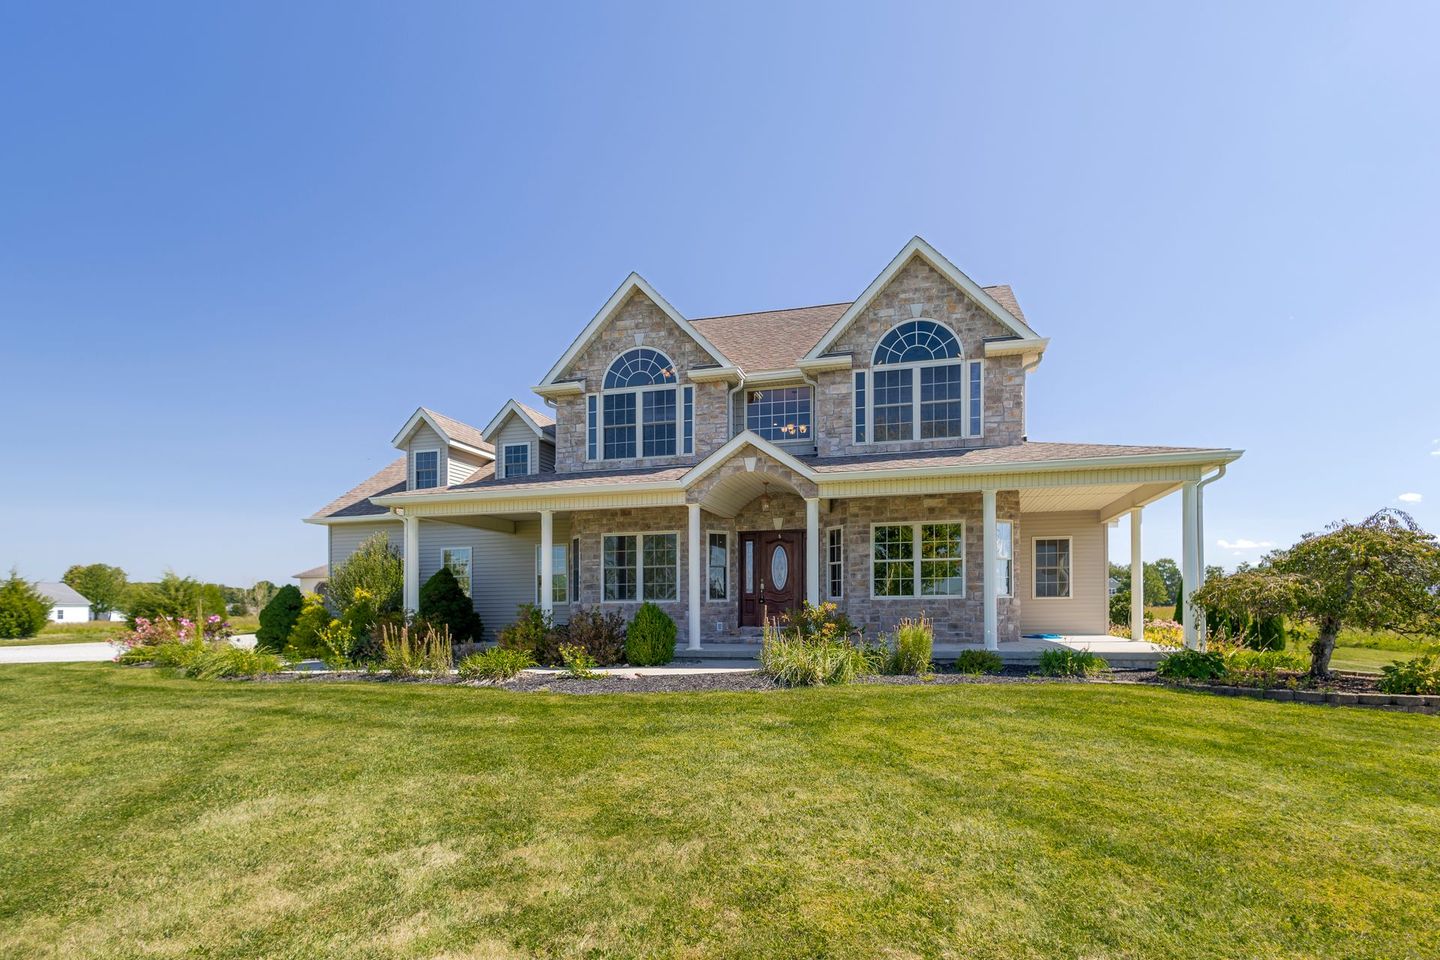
94	632
145	816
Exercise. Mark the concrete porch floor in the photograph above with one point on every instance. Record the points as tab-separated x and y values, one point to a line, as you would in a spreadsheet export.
1120	653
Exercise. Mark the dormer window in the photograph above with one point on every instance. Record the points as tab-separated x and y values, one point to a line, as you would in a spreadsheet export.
639	415
921	384
427	469
517	460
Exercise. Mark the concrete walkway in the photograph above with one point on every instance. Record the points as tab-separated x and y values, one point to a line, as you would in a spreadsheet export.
78	652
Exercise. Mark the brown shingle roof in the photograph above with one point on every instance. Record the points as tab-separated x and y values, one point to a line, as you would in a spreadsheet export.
545	420
314	573
356	501
777	339
460	431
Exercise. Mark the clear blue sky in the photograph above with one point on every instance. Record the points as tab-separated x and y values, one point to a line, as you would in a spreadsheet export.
239	244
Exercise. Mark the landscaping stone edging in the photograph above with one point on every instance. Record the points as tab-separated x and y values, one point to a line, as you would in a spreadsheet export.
1377	701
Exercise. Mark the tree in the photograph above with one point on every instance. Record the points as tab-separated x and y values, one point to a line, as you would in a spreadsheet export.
101	584
1169	572
278	618
1380	574
442	601
261	593
174	597
375	568
23	611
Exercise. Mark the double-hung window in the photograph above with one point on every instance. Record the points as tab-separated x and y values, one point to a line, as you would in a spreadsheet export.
640	566
835	561
921	386
717	566
781	414
639	412
427	469
917	560
517	460
1052	568
457	561
559	578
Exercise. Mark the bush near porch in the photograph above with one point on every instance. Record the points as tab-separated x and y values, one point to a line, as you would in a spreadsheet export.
259	824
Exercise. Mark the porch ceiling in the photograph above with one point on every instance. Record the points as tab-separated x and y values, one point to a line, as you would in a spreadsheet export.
1109	500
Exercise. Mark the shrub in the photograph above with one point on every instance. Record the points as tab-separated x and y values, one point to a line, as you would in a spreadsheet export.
278	618
442	601
601	635
1420	675
495	665
23	611
914	641
533	632
410	652
1062	662
796	659
650	638
303	642
1162	633
336	642
1191	665
218	661
168	653
976	662
819	621
376	569
578	661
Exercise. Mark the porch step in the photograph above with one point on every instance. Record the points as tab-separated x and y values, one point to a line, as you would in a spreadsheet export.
737	650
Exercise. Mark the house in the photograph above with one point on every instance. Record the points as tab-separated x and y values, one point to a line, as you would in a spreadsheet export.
313	580
66	606
873	453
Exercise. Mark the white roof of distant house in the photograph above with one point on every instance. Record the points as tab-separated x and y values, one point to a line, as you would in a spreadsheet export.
61	594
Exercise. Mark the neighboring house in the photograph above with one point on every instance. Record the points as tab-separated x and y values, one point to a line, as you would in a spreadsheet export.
871	453
66	606
313	580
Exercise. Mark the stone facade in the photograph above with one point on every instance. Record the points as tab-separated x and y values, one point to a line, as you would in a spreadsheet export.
919	291
639	322
956	619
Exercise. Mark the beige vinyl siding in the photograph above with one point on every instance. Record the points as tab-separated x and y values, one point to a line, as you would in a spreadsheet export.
1086	610
461	465
502	566
516	431
425	438
345	538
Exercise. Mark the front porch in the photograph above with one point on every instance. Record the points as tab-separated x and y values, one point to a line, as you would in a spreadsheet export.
1120	653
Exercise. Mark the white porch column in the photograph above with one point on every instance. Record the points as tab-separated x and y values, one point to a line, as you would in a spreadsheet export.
1190	554
547	562
693	556
1137	579
411	598
812	550
989	588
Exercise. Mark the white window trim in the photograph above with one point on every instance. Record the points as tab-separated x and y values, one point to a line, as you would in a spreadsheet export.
687	404
915	437
915	556
592	422
468	585
640	536
829	563
1035	568
729	554
504	456
1011	593
604	392
558	574
440	468
808	439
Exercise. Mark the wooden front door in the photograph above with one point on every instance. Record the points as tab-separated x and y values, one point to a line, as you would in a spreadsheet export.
772	574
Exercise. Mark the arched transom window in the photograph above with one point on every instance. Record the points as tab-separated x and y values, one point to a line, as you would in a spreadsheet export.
639	413
923	387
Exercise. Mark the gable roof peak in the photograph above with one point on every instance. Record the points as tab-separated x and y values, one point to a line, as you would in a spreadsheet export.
541	423
455	433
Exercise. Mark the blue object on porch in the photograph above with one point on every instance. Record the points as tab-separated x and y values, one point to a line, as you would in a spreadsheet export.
1041	636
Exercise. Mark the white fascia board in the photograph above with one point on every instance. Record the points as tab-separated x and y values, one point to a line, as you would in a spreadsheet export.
563	388
746	438
919	247
1002	348
372	518
842	361
511	407
632	283
762	377
417	418
1196	458
730	374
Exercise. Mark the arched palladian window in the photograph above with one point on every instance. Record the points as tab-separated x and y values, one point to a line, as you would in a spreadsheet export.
923	388
639	392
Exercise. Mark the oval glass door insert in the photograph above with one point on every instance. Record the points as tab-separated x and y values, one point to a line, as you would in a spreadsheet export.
779	568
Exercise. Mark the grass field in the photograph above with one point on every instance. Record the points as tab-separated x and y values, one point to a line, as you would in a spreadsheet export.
145	816
98	632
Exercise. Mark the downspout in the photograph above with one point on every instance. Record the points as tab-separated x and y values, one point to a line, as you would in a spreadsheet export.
814	402
1200	522
730	405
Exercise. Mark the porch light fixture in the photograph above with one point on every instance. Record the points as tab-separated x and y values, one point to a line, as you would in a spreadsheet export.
765	495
